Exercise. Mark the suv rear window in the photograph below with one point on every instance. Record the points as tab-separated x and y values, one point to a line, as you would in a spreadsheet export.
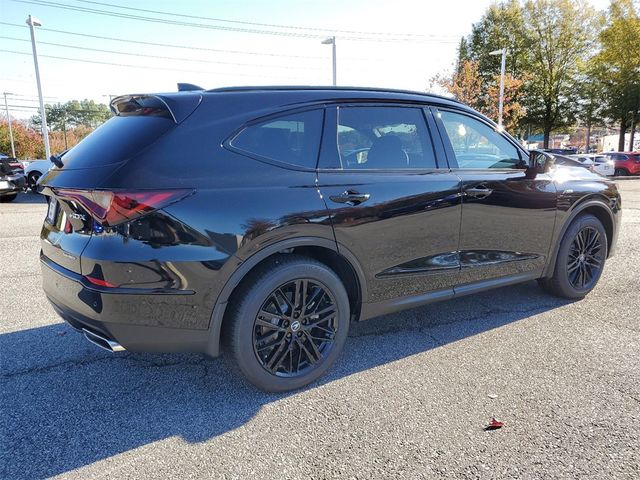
118	139
293	138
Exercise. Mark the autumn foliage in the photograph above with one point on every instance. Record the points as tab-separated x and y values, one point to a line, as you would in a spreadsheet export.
28	141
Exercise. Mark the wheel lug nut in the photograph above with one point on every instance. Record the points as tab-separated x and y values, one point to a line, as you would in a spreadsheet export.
299	334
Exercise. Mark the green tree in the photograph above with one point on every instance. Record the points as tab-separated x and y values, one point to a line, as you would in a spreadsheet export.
561	33
618	66
74	113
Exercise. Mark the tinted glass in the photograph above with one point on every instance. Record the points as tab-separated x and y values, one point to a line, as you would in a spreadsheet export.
384	138
477	145
116	140
293	138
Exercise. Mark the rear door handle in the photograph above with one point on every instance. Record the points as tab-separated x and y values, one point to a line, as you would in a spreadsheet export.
478	192
350	197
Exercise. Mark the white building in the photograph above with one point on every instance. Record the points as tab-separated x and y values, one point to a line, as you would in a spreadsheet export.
609	143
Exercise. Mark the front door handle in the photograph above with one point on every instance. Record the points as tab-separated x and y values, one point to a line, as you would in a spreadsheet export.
478	192
350	197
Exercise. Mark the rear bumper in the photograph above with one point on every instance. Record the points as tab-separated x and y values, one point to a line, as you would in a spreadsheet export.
113	316
16	184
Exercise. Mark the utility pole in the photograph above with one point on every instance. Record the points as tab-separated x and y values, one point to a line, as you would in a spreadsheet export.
332	41
33	23
503	64
6	108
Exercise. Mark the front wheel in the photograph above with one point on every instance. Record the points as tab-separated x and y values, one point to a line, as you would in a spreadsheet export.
621	172
287	323
32	180
581	258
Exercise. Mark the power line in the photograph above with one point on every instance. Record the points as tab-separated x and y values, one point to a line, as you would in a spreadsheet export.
271	25
207	26
169	45
155	56
29	107
146	67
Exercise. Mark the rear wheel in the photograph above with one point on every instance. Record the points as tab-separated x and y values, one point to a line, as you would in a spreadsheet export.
621	172
8	198
287	324
581	258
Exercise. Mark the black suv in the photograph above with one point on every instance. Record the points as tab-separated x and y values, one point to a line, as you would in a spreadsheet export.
262	221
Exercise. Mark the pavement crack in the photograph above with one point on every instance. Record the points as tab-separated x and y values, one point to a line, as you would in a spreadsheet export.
48	368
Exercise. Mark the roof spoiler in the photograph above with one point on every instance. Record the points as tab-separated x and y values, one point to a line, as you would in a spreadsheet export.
188	87
174	106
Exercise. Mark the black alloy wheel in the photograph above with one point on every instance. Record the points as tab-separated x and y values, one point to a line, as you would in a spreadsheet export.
585	259
580	260
295	328
287	323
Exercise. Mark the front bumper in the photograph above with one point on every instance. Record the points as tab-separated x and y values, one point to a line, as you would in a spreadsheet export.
113	316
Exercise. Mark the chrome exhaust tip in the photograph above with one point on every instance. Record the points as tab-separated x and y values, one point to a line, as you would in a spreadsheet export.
102	342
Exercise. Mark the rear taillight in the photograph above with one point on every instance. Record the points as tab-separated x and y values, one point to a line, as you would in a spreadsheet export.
110	208
100	282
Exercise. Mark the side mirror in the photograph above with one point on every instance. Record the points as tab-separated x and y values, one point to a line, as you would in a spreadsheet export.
539	162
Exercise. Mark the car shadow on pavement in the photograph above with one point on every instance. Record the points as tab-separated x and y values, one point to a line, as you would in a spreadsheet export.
67	404
30	197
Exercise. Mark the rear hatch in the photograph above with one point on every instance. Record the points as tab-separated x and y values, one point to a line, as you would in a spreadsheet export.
81	202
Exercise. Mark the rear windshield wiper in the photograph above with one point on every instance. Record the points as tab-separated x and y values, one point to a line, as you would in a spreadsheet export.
57	160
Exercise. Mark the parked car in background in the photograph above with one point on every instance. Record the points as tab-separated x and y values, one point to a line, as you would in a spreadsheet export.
261	221
34	170
561	151
12	180
566	161
598	163
626	163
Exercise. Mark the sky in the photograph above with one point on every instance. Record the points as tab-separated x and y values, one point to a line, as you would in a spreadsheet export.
216	43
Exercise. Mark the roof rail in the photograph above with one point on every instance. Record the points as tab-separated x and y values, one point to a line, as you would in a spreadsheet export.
327	87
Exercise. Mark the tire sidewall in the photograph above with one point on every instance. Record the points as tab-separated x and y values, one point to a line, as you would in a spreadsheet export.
561	264
249	306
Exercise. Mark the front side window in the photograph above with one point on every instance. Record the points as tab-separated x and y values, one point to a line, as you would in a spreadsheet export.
477	145
384	138
293	138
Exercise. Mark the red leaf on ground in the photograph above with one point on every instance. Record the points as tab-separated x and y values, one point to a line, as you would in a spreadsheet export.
494	424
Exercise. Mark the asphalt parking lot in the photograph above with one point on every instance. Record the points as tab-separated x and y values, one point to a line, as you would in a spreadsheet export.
408	399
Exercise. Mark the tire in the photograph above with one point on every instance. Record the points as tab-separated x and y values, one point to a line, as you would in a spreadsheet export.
32	181
276	350
621	172
580	261
8	198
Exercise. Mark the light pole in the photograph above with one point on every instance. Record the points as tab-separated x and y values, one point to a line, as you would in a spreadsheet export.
33	23
332	41
6	107
503	52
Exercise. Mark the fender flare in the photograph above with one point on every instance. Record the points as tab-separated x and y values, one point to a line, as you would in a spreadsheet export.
579	208
217	316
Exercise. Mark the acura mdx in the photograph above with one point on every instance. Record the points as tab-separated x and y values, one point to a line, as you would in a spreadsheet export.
261	221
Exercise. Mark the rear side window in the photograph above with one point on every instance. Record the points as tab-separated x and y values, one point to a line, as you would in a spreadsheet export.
384	138
292	139
118	139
